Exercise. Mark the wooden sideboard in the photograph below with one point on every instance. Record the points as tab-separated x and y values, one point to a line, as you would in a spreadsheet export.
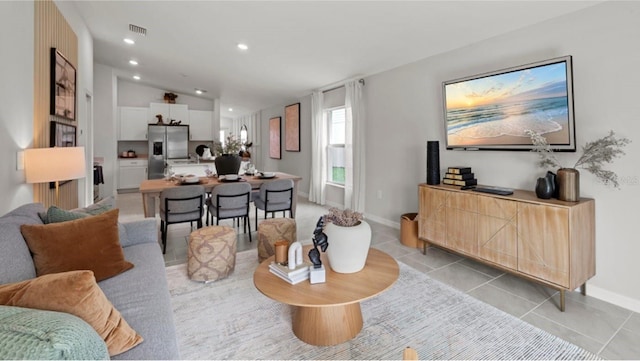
547	241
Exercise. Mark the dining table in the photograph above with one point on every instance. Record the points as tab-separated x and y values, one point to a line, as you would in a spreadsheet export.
151	188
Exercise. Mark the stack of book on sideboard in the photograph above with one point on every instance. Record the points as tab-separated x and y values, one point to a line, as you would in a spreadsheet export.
460	176
296	275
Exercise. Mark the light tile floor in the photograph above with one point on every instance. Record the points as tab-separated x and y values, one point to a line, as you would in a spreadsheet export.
607	330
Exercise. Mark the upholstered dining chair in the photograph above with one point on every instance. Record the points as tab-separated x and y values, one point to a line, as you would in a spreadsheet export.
230	200
275	196
179	205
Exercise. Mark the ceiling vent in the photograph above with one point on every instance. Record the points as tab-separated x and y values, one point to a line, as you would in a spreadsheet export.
138	29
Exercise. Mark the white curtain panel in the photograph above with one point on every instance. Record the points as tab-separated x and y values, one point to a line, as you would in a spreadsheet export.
318	179
354	187
251	121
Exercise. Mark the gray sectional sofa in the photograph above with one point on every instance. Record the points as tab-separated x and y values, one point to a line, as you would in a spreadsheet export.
140	294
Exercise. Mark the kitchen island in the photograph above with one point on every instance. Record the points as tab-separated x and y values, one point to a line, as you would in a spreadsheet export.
196	168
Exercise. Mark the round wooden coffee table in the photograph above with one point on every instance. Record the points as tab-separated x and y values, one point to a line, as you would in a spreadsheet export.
329	313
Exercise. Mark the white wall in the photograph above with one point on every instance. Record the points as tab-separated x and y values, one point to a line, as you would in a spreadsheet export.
404	110
16	104
16	111
298	163
104	105
134	94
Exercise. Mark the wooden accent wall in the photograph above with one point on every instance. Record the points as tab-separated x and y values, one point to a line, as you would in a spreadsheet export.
51	31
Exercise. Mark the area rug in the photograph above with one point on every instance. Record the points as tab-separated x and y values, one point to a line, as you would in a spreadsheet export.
230	319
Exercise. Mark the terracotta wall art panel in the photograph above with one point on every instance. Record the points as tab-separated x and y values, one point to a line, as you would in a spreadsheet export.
274	138
292	127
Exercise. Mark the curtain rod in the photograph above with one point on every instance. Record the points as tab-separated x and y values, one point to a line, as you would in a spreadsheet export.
361	81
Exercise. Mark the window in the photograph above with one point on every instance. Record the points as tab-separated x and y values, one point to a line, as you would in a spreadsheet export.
335	149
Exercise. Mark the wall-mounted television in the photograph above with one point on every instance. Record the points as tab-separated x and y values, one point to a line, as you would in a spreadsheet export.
491	111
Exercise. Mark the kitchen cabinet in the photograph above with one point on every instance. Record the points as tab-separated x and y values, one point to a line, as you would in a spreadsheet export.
131	172
547	241
132	123
179	112
201	125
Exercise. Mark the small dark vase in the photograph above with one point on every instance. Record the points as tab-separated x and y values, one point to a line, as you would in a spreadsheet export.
554	183
227	164
544	188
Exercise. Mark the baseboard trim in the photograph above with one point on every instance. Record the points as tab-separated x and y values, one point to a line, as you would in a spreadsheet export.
614	298
380	220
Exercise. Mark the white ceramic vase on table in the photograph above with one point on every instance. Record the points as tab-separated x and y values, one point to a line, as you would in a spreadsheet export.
348	246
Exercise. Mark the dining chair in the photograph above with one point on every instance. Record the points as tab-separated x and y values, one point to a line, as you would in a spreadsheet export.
230	200
275	196
179	205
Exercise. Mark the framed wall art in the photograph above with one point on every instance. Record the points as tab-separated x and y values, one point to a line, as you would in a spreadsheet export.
63	87
61	135
274	138
292	127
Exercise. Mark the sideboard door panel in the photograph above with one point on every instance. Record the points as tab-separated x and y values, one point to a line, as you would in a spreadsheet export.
498	231
431	219
462	222
543	242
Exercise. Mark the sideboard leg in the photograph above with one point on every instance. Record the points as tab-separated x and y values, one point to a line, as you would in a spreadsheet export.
583	289
424	247
562	300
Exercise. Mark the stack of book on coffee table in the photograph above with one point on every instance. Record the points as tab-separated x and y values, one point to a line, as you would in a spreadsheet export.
296	275
460	176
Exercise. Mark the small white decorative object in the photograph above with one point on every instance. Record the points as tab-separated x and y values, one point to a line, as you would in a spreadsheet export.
295	255
317	275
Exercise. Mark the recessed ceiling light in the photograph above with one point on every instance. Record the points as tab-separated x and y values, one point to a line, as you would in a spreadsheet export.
136	77
133	62
198	91
242	46
129	41
230	109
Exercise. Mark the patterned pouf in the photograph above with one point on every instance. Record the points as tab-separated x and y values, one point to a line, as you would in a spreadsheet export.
211	253
272	230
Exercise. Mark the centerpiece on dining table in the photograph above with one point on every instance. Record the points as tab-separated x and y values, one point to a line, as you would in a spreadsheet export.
228	159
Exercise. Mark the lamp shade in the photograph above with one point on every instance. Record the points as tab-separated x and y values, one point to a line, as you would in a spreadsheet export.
54	164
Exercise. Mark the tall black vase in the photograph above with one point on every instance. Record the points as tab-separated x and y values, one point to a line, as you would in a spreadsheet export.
433	162
227	164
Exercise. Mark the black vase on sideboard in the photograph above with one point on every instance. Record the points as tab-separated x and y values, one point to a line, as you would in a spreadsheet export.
544	188
433	162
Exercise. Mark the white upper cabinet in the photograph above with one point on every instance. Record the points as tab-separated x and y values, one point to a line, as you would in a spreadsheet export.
200	125
133	122
179	112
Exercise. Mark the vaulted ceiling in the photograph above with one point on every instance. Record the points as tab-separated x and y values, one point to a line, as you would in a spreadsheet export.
294	46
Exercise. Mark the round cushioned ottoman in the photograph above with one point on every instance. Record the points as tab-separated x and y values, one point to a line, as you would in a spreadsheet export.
272	230
211	253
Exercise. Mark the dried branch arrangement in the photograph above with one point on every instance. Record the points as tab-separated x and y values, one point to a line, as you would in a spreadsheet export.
344	218
594	156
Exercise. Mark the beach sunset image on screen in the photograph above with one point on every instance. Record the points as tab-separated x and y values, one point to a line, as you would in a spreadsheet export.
496	109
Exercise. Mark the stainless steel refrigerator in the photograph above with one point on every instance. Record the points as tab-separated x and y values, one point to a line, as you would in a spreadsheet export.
166	142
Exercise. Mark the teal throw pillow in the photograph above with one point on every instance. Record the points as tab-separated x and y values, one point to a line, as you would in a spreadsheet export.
55	214
46	335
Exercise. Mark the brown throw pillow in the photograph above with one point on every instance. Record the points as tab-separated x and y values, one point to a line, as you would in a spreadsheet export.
90	243
76	293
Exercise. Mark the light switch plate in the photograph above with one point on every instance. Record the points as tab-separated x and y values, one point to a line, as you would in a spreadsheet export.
20	160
